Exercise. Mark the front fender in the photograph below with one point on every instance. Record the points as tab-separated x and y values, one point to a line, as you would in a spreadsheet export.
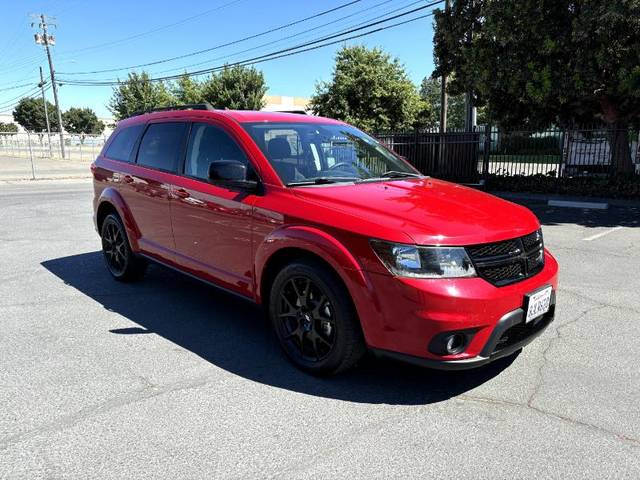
329	249
112	197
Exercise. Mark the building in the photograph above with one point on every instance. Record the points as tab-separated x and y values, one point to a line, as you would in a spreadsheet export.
8	118
281	103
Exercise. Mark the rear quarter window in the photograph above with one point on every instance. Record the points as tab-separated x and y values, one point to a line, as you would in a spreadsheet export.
161	146
122	145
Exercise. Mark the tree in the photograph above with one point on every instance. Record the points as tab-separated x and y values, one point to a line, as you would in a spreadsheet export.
235	88
535	62
82	121
369	89
186	90
29	113
430	93
138	93
8	127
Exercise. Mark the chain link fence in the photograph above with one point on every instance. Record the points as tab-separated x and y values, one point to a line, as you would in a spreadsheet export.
32	156
39	145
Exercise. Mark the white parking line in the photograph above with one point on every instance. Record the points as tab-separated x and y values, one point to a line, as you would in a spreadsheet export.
568	204
602	234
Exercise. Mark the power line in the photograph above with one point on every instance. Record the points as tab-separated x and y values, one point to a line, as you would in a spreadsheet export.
16	100
234	42
21	64
280	40
254	59
15	86
8	110
153	30
380	29
313	45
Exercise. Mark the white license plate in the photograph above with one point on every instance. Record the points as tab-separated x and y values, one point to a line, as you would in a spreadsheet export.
538	303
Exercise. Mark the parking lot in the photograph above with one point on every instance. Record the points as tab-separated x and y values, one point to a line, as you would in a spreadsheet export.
170	378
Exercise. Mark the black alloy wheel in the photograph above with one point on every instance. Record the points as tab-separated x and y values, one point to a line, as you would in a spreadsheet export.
306	319
314	318
121	262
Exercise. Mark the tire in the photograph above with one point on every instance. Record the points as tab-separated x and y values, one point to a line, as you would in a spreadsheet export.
314	319
121	262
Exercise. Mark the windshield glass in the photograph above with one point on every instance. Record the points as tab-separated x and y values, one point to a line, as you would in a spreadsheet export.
309	153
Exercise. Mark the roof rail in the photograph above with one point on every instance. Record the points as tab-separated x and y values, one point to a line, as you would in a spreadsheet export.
191	106
297	112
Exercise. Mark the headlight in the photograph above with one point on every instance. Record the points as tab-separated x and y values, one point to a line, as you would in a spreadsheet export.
424	262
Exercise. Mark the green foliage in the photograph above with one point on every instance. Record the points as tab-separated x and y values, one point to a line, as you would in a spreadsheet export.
187	90
370	90
29	113
8	127
235	88
430	89
81	121
528	145
138	93
535	62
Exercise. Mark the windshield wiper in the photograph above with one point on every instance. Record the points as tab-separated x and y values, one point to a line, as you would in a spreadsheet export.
321	181
398	174
391	174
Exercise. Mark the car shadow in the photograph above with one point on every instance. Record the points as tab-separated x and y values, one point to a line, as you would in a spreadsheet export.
233	334
611	217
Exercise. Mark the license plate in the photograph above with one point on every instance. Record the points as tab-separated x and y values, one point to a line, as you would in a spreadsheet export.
538	303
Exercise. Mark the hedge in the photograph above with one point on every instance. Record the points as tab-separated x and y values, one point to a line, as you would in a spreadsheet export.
619	186
525	145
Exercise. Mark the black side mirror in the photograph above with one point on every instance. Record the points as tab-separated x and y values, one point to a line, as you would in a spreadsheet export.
232	173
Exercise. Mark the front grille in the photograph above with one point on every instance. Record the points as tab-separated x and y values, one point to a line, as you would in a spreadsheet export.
509	261
493	249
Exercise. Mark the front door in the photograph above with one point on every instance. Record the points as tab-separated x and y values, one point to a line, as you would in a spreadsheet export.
212	222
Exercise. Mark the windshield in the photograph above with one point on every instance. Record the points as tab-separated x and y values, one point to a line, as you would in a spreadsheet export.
309	153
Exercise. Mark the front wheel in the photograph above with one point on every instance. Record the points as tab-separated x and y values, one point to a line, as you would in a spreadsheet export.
121	262
314	319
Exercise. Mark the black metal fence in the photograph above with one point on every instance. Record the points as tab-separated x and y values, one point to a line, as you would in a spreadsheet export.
469	157
452	155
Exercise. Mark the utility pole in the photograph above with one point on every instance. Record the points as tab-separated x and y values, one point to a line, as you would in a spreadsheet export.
46	111
45	39
444	98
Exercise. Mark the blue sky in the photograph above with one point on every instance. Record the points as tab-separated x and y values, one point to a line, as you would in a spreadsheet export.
171	28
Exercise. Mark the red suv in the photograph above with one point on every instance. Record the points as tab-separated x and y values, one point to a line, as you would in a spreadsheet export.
347	246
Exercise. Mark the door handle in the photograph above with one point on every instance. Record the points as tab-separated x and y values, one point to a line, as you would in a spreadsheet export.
181	193
127	179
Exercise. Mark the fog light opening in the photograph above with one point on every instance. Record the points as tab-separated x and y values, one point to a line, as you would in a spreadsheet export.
455	343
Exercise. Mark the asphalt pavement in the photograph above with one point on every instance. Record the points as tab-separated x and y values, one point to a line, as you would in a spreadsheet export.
169	378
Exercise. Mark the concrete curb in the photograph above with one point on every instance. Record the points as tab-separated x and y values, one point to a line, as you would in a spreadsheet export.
11	180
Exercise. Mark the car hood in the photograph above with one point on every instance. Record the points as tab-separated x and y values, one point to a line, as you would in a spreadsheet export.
429	211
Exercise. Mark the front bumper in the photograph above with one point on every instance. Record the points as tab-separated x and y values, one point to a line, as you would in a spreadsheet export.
405	315
498	345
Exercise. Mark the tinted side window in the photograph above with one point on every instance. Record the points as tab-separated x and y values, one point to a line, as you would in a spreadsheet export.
122	145
161	146
208	144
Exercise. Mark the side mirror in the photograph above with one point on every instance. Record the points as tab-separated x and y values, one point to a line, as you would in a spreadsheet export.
232	173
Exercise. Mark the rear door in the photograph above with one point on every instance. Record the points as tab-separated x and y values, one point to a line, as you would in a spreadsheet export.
212	222
146	188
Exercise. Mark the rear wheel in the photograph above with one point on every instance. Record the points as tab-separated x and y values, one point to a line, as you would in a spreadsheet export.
314	319
121	262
